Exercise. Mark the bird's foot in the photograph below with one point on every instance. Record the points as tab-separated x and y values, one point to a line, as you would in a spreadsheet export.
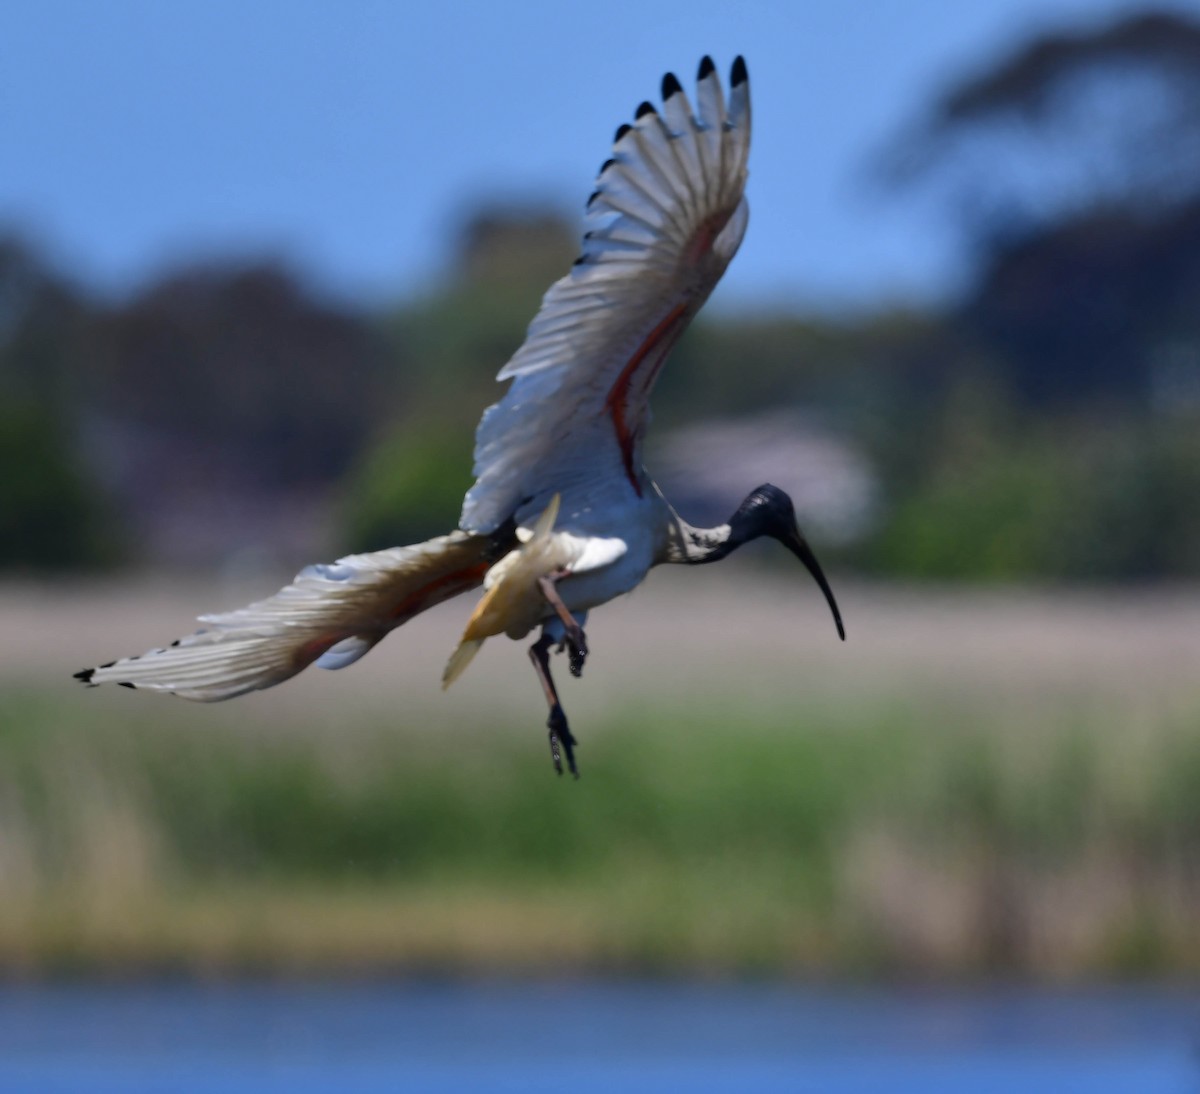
561	740
577	649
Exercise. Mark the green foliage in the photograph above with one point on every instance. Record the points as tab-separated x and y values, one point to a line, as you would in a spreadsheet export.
242	359
51	514
1073	500
409	483
240	379
695	840
409	487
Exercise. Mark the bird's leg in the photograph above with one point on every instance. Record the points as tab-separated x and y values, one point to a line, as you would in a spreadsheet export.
560	734
575	639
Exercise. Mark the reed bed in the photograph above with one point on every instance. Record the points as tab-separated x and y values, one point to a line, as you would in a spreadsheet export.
991	815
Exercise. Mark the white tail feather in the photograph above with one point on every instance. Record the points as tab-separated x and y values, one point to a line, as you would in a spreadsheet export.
512	604
463	655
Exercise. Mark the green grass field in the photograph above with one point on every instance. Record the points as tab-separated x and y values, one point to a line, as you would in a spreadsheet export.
988	820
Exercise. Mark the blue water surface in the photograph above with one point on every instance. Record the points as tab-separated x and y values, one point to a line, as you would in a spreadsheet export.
583	1036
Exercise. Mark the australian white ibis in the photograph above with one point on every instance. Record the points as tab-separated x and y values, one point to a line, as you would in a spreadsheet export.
562	516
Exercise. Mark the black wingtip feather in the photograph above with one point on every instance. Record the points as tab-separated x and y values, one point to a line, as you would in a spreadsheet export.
644	109
85	675
738	74
670	86
621	131
707	68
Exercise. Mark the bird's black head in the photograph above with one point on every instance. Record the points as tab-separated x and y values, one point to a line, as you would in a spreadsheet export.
768	511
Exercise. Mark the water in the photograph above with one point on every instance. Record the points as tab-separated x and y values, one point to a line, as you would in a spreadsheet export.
178	1038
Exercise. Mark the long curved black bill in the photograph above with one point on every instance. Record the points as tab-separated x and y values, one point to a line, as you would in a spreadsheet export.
798	545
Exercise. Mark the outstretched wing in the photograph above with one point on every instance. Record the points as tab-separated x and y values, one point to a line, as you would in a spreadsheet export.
666	217
329	615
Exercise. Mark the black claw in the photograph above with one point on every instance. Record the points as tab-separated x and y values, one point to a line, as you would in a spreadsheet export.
578	650
578	659
560	735
569	748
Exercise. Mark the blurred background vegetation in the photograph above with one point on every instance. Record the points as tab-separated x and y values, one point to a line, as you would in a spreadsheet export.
1042	426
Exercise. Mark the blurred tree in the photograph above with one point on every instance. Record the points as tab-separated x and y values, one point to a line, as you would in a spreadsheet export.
409	486
244	359
53	513
52	516
1055	440
1075	166
462	332
1089	308
42	327
524	247
1107	117
410	481
1083	499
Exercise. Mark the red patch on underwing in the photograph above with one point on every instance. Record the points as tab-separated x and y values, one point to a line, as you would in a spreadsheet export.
661	338
701	243
457	581
434	592
312	649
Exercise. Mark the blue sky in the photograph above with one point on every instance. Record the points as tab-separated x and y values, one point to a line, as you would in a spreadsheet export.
350	136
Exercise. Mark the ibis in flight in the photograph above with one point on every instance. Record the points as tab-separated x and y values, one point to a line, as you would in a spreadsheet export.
562	516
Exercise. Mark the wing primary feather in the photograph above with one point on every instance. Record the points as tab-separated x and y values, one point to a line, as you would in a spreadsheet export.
644	109
738	121
639	187
664	167
706	67
682	144
710	120
613	205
